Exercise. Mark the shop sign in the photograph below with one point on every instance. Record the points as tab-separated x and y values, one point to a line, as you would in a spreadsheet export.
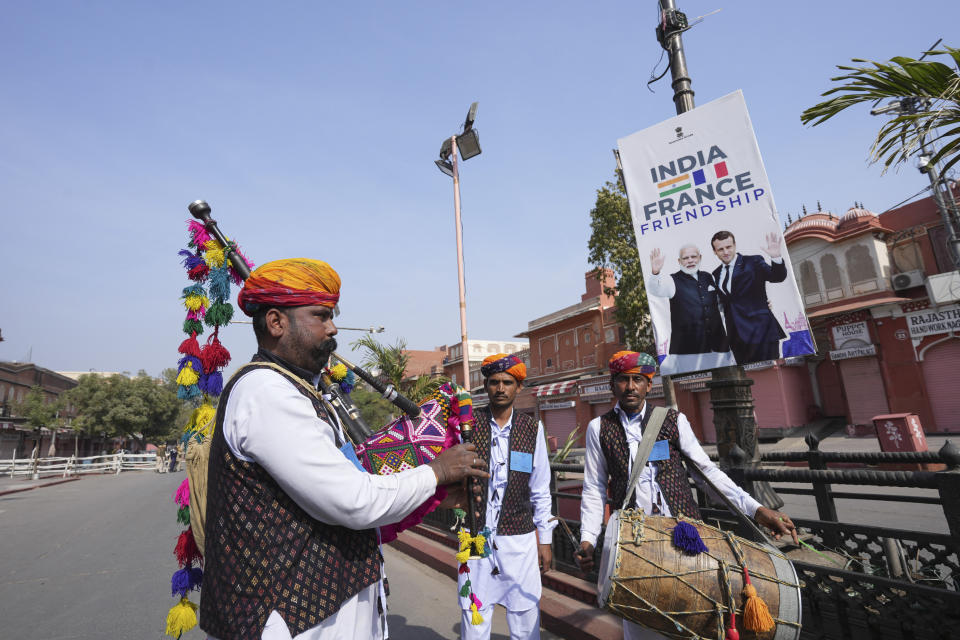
856	331
854	352
569	404
933	321
597	389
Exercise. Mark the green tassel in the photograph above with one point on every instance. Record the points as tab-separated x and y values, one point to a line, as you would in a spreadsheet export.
465	589
219	314
192	326
183	516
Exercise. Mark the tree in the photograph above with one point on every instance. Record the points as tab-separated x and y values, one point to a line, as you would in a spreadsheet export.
41	411
613	245
139	408
931	90
375	410
391	361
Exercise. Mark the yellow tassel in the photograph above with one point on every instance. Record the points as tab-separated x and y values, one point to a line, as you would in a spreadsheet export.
195	302
478	542
181	618
203	419
463	556
214	258
187	375
338	372
475	618
756	615
464	539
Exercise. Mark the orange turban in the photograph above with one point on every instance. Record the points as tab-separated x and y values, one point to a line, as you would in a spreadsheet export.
294	282
631	362
501	362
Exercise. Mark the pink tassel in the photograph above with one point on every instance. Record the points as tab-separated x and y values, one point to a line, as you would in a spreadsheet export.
475	600
237	280
199	233
198	314
182	495
190	346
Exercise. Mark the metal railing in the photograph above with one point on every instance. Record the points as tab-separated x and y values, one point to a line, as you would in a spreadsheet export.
75	466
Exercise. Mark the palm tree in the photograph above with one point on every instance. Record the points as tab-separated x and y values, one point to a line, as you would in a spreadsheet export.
391	361
929	88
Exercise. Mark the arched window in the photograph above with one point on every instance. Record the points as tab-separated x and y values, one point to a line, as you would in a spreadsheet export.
860	265
830	272
808	279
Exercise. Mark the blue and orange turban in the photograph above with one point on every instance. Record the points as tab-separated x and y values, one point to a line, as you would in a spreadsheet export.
294	282
631	362
500	363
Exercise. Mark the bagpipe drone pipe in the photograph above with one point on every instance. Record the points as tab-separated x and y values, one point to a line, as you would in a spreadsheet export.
418	436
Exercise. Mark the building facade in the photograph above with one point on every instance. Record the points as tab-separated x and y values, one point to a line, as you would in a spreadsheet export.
16	380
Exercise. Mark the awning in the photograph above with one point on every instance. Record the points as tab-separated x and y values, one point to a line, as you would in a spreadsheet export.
556	388
855	306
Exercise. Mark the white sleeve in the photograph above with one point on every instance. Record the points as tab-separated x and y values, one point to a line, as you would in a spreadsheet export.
661	286
540	489
593	498
268	421
691	446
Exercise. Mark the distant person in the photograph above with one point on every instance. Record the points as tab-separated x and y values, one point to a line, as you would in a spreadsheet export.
173	459
161	460
698	340
753	330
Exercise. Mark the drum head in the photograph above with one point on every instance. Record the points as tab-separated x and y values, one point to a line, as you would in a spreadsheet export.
608	559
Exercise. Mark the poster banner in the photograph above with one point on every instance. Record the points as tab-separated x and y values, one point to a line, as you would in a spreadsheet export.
718	277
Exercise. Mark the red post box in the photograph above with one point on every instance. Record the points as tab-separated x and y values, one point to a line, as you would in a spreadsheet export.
900	432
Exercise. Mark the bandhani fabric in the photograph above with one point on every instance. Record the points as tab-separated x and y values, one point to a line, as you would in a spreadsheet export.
631	362
407	443
501	362
293	282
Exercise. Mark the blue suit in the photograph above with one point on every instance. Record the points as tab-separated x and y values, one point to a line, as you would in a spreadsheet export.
752	328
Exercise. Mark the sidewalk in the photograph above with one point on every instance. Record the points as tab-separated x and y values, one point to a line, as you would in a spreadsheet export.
10	485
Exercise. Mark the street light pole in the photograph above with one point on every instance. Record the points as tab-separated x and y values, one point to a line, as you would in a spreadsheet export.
462	284
730	395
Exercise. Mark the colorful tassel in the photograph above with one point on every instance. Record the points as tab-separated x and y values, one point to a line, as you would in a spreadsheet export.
756	615
187	376
186	549
219	314
219	285
237	280
190	346
186	580
214	257
181	618
463	568
202	419
475	618
338	372
199	273
198	233
732	633
195	303
463	556
476	601
211	383
465	589
187	393
183	516
194	290
194	362
181	496
192	327
687	538
213	354
190	259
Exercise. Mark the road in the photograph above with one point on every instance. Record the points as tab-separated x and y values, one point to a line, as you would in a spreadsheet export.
93	558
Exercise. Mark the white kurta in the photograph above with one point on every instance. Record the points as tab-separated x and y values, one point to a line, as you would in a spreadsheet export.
648	491
268	421
517	586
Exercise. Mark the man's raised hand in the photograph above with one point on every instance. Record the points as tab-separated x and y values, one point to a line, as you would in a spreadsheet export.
656	261
772	248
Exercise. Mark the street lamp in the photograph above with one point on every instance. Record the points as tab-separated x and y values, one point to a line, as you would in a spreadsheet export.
467	143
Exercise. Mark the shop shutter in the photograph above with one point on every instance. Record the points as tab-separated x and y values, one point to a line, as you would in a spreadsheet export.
864	389
940	375
559	423
600	408
831	391
768	398
707	427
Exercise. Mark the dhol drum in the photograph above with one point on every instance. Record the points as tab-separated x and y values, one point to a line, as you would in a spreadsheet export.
644	578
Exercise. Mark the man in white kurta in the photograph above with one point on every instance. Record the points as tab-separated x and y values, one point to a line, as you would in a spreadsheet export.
269	424
518	517
631	379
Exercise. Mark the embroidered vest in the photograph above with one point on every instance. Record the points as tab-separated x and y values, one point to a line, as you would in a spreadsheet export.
264	552
671	474
696	326
516	512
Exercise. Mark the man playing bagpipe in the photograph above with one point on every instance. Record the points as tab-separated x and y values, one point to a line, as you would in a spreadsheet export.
291	540
663	487
514	508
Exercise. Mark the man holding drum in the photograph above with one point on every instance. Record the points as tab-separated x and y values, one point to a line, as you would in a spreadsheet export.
514	505
291	542
662	488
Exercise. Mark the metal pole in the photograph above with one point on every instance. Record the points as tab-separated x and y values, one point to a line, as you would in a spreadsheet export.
730	394
463	303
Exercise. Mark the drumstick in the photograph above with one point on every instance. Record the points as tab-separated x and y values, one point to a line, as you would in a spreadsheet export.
566	527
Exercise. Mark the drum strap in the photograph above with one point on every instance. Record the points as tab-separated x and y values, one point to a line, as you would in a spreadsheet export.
644	447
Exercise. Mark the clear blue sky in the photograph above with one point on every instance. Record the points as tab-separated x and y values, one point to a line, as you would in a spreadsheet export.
311	128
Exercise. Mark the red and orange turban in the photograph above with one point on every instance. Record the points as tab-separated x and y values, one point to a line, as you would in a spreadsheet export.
294	282
631	362
501	362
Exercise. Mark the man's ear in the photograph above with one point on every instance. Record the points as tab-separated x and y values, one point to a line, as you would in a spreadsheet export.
276	322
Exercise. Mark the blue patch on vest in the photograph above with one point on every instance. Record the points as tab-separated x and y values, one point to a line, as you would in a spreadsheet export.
351	455
520	461
660	451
